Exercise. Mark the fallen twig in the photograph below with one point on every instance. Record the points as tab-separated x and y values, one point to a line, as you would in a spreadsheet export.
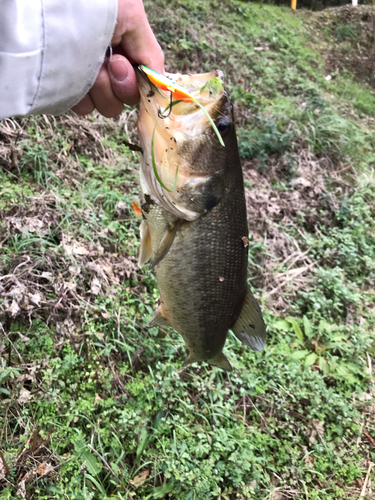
363	492
104	462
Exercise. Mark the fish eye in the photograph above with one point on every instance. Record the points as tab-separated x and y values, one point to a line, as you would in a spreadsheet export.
223	125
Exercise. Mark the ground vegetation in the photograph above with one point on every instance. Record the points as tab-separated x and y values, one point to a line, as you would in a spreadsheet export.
92	403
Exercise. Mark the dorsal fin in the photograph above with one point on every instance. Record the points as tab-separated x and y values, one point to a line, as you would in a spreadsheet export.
249	327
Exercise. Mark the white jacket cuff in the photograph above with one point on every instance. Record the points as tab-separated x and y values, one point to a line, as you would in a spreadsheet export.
75	43
51	52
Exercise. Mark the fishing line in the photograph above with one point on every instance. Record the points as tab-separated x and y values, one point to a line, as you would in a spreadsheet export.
154	167
163	116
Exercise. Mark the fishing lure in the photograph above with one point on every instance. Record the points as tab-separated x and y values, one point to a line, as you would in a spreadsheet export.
164	83
179	93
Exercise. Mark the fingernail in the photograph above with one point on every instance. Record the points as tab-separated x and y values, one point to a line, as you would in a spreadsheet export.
119	69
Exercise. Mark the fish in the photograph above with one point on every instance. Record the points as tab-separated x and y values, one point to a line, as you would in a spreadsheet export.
194	228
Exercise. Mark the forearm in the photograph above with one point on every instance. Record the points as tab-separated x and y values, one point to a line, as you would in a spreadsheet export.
51	52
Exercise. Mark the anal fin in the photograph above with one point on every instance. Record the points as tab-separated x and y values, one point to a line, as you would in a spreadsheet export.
158	319
249	327
165	243
221	362
145	252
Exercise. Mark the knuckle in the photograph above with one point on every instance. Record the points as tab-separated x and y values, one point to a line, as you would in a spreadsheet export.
111	110
83	108
101	79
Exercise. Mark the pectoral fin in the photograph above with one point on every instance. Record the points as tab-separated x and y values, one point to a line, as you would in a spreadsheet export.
165	243
158	319
249	327
145	251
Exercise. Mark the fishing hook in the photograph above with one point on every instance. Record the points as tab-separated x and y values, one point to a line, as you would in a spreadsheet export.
160	114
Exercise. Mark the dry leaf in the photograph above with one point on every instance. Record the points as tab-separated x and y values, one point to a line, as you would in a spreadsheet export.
28	225
74	270
23	337
301	181
73	247
22	300
104	269
122	206
24	396
35	298
44	469
33	224
14	309
21	489
66	327
317	428
95	286
40	470
3	468
64	286
46	274
30	372
358	483
365	397
97	399
139	480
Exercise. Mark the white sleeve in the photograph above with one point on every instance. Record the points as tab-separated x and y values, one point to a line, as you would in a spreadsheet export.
51	52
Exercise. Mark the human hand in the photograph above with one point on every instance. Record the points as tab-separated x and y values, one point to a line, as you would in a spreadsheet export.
133	42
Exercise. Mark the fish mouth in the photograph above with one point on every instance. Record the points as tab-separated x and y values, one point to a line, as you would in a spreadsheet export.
167	126
194	84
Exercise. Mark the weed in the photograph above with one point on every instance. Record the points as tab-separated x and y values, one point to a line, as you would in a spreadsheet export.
35	158
264	140
344	31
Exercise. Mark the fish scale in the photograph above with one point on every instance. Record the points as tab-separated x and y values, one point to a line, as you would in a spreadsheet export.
206	310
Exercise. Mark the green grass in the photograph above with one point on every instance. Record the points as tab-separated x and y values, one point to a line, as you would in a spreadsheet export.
91	395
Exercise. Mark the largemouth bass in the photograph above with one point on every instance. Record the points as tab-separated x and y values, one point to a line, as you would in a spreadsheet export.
194	217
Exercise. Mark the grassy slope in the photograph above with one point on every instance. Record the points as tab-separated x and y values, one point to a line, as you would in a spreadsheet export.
81	372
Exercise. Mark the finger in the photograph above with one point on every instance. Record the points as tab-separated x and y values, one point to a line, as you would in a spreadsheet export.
135	36
103	97
84	107
123	80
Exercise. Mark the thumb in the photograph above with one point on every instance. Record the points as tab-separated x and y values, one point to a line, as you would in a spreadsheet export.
123	79
134	35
